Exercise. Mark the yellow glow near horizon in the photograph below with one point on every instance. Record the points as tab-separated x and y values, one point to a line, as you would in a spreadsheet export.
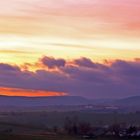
23	49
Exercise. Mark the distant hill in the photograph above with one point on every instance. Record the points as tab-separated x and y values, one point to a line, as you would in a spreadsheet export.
43	101
66	100
130	101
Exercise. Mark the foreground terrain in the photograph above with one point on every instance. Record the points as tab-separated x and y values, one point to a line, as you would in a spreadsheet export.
57	137
68	125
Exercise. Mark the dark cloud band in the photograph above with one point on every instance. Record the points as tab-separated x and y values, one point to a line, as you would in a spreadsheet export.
81	77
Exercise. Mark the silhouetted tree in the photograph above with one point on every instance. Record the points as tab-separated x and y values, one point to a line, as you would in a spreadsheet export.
68	125
115	128
84	128
55	129
131	129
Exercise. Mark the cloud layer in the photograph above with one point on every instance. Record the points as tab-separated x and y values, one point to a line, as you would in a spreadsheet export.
80	77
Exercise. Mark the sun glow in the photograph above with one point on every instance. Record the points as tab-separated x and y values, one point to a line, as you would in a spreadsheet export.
29	93
24	49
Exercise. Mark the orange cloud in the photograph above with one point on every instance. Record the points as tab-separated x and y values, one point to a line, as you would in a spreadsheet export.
30	93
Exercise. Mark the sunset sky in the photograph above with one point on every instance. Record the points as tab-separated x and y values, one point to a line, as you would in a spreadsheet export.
87	48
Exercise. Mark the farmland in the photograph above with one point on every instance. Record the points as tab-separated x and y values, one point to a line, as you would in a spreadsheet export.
50	125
